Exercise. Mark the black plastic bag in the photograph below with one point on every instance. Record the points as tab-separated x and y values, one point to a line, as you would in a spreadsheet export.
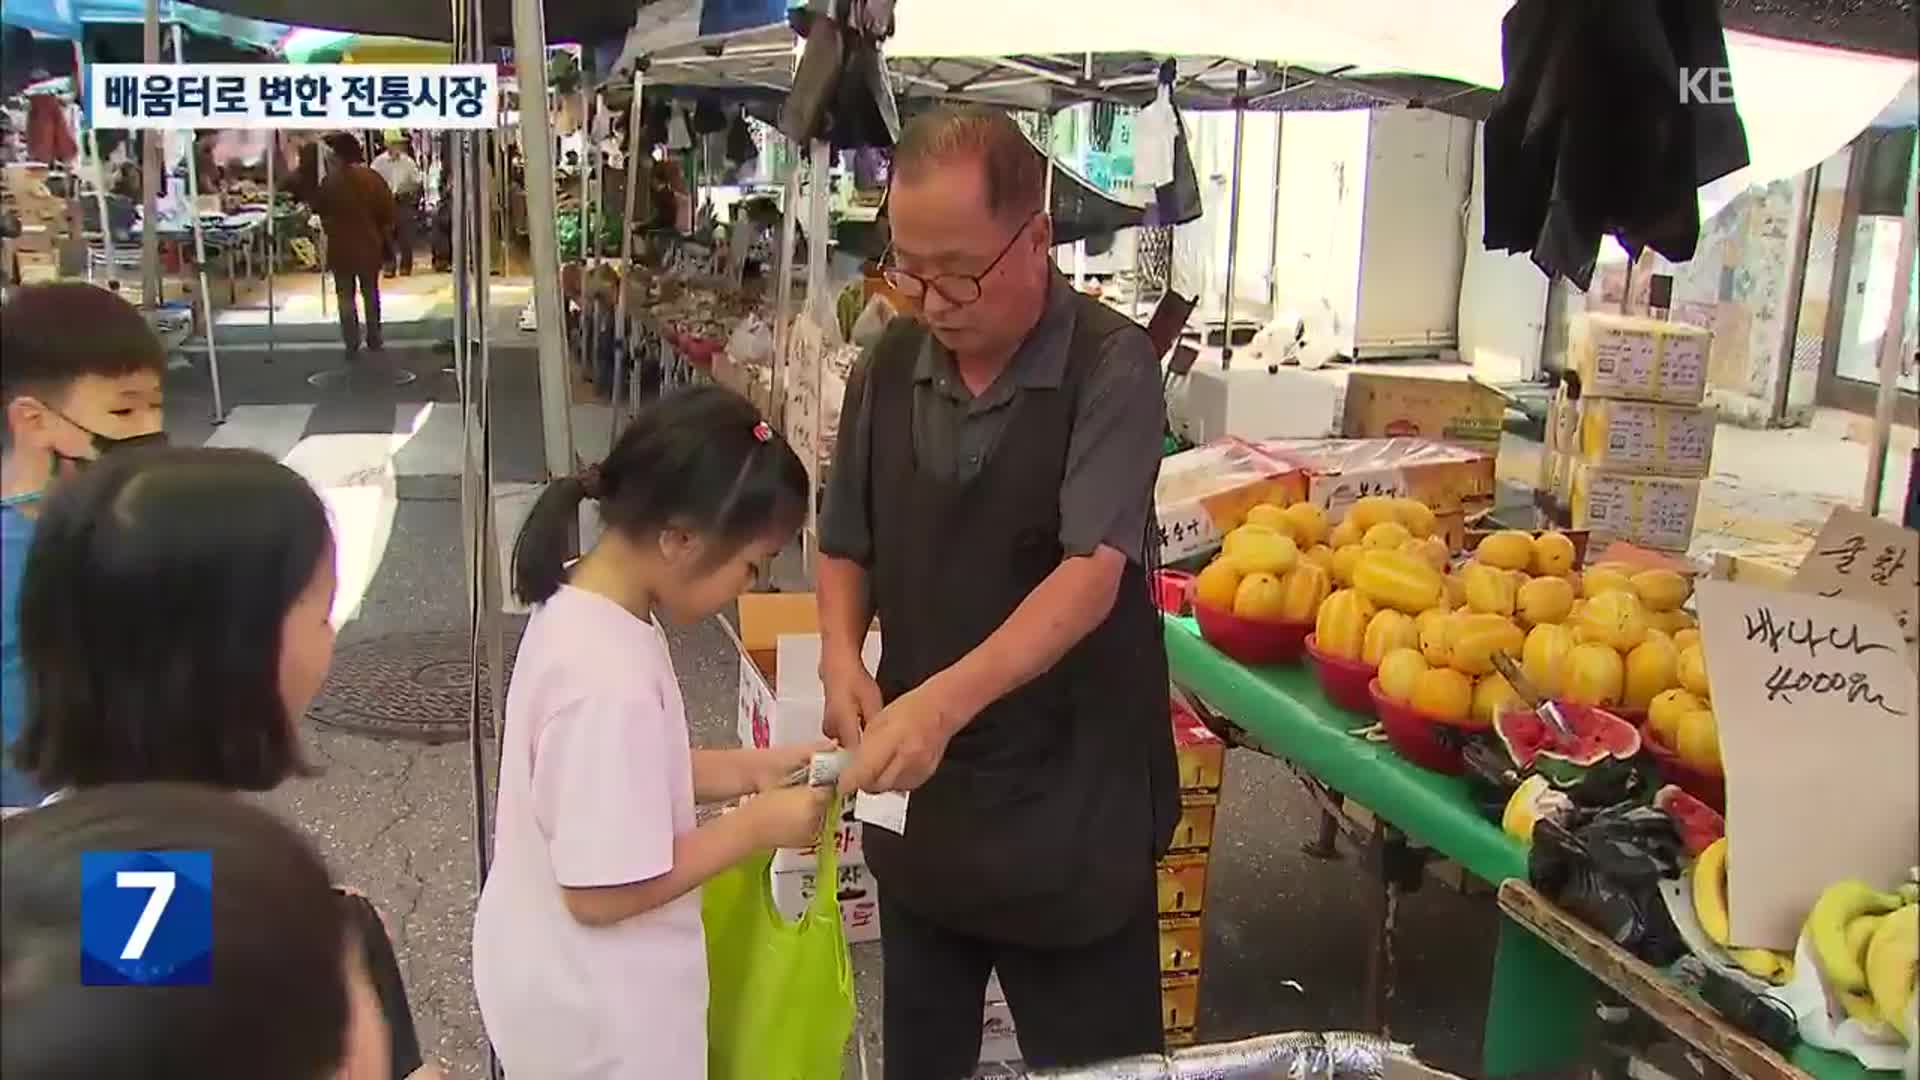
1605	866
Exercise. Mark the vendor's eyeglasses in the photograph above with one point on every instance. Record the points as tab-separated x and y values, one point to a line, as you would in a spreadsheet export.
956	289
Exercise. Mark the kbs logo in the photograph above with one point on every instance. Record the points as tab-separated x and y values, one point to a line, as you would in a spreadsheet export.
1706	86
146	918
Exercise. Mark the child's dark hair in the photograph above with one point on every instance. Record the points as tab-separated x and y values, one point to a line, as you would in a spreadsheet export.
699	459
150	620
56	333
277	1002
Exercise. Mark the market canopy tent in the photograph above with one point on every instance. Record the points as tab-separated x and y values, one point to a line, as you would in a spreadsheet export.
69	20
333	47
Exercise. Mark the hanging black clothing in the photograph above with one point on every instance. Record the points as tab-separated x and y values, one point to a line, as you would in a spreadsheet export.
1600	128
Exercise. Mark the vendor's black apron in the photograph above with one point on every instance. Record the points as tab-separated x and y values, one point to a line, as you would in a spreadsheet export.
1042	824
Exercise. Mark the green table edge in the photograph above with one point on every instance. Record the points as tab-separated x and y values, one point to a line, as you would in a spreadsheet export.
1541	1007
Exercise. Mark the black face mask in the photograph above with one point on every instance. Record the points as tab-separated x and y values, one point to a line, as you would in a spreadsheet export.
106	444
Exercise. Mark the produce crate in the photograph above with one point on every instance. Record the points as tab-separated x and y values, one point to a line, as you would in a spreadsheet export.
1182	939
1640	359
1180	1008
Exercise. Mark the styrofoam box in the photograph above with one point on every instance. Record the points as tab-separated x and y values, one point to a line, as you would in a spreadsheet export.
998	1040
793	710
859	899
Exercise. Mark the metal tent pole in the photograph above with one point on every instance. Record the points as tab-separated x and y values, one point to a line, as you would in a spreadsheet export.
1233	212
589	197
820	306
1273	236
152	290
200	250
530	52
90	148
623	333
273	236
783	298
1893	345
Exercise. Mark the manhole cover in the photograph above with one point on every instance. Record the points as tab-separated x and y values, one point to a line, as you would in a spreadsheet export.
406	686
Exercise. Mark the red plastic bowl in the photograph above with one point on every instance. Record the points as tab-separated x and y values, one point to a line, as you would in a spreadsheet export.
1414	735
1171	589
1251	641
1705	786
1344	681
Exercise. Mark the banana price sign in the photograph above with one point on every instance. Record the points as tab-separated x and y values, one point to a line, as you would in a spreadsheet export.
1819	724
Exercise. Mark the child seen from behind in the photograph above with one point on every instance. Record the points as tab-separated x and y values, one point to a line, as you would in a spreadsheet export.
589	959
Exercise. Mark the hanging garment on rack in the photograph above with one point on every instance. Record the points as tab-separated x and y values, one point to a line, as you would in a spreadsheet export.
1178	201
1154	132
740	146
49	136
1592	135
708	118
679	135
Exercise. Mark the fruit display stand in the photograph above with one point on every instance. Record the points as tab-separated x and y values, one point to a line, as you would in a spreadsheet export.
1541	1004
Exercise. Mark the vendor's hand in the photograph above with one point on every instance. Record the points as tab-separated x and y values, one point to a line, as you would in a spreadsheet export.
788	817
903	745
768	769
853	698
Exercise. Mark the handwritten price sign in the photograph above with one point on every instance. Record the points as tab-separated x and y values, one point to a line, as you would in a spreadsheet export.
1819	728
1875	562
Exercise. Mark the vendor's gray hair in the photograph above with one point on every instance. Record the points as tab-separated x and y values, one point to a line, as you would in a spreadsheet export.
1016	176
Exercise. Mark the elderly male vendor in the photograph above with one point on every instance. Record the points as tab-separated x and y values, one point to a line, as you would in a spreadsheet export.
991	501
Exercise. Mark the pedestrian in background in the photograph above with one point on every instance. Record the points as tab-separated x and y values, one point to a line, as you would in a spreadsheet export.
396	166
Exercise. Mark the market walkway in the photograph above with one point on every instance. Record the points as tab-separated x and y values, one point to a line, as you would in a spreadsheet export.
1286	935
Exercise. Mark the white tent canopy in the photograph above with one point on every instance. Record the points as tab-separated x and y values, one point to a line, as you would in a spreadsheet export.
1800	102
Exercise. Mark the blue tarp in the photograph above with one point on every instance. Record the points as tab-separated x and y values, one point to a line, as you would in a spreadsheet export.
65	19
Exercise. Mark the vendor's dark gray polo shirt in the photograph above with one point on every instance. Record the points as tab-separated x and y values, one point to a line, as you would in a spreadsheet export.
1113	454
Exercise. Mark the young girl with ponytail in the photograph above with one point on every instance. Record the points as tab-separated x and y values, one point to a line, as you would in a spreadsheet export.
589	960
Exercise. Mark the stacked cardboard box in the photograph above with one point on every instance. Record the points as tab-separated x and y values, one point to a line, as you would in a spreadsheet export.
1182	889
781	702
1455	480
44	217
1183	874
1627	457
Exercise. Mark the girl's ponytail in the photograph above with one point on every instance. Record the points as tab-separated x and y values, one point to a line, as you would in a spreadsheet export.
545	543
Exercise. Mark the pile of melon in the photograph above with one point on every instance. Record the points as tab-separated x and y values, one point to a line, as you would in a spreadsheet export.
1283	563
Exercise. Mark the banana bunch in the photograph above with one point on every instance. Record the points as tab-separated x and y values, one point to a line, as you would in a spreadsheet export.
1868	943
1710	907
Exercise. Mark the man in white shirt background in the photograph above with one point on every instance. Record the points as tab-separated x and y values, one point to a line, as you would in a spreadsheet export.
396	166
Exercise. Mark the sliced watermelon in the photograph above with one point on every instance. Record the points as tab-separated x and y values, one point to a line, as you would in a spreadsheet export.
1598	736
1699	825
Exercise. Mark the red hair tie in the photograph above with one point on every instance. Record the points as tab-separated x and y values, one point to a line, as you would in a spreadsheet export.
763	431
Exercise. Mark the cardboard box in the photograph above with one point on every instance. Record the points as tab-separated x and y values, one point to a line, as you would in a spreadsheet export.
1201	755
1635	357
1182	939
1182	884
1180	1008
859	899
1649	511
1454	481
1449	410
781	701
999	1042
1634	436
1193	833
1204	493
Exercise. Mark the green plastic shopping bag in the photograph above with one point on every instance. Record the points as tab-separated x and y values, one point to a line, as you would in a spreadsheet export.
780	994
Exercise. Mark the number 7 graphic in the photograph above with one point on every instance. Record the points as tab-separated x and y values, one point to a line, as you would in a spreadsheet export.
161	882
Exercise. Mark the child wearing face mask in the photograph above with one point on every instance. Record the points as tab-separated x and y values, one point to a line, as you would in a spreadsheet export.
588	954
80	377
